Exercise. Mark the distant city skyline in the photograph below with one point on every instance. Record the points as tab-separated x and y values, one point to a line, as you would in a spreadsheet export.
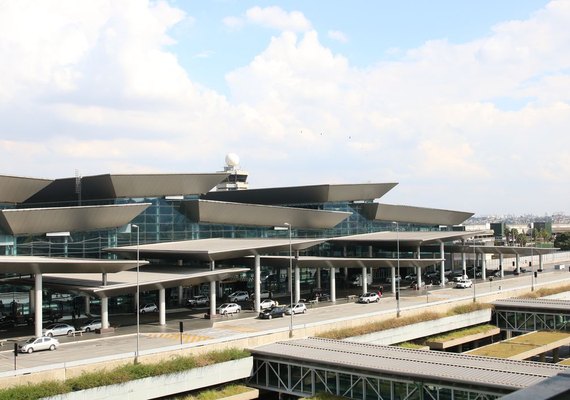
465	104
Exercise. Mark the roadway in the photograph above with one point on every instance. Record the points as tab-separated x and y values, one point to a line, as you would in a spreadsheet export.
198	330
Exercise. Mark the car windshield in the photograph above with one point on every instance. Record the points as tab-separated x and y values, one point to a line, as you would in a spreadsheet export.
224	305
50	326
31	340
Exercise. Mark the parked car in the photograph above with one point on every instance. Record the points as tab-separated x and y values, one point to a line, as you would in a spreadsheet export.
299	308
414	285
369	297
151	307
229	308
389	279
199	300
238	296
91	325
274	312
58	330
267	303
265	294
464	284
38	343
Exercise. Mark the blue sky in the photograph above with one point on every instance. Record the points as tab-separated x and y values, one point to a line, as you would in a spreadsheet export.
465	104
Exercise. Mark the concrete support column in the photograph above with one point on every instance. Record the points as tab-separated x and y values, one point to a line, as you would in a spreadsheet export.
318	272
87	300
180	295
333	284
542	357
345	271
162	306
419	252
105	313
518	263
540	262
105	305
212	292
419	276
463	263
556	355
297	283
364	279
393	274
484	266
442	265
32	300
502	265
38	305
257	282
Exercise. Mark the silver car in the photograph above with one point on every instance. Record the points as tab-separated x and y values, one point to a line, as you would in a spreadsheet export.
91	325
58	330
39	343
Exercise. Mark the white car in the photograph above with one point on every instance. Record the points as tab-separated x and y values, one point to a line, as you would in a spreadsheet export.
464	283
299	308
229	308
58	330
39	343
369	297
241	295
199	300
149	308
267	303
91	325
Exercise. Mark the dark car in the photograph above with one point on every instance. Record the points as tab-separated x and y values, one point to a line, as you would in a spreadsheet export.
274	312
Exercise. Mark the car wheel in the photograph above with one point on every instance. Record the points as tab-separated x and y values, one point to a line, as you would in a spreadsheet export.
367	301
50	335
142	311
30	350
238	310
69	333
377	300
269	317
304	310
52	347
87	330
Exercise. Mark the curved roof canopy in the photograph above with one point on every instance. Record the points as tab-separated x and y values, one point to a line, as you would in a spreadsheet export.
341	262
14	189
304	194
126	282
112	186
36	265
414	215
214	249
218	212
508	250
33	221
410	238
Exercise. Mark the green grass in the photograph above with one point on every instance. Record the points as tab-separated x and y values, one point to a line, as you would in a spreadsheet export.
215	394
410	345
460	333
118	375
399	322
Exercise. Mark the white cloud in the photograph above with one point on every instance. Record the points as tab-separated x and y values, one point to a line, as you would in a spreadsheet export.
277	18
233	23
338	36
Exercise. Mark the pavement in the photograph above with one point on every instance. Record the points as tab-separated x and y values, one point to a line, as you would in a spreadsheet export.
197	330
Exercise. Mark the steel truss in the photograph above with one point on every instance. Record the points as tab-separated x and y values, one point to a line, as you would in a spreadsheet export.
529	321
303	380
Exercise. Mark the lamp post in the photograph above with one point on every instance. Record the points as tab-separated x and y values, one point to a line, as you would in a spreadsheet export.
531	271
398	277
137	301
288	225
474	272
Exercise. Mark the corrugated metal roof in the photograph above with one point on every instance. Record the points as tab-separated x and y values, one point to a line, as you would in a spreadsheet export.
541	304
349	262
429	366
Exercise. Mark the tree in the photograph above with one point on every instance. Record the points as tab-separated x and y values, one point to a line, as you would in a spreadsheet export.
562	241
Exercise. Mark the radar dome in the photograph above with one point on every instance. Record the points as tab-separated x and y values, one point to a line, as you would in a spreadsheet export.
232	160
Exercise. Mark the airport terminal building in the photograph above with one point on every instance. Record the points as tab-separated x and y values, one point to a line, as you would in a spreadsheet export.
100	239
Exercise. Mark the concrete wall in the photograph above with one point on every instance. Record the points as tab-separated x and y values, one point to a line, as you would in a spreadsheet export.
423	329
167	385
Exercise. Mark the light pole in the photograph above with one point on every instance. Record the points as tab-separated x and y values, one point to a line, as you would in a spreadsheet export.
398	277
137	300
474	272
288	225
531	271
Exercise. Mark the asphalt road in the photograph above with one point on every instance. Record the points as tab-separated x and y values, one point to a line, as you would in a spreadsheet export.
197	329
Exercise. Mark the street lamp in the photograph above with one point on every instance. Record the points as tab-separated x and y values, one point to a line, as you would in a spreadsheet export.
398	277
288	225
531	271
137	301
474	272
